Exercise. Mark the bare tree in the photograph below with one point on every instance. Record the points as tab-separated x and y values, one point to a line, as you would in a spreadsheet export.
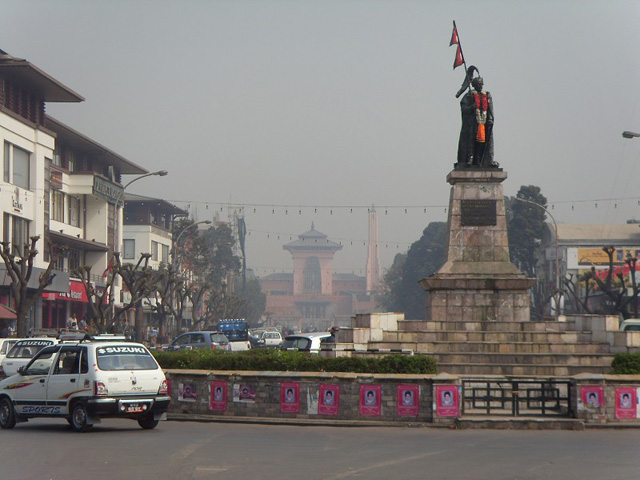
623	296
139	280
20	268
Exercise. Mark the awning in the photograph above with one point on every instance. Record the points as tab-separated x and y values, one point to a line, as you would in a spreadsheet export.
78	243
6	313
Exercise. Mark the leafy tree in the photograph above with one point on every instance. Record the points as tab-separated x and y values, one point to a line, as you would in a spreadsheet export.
525	225
255	301
387	297
425	257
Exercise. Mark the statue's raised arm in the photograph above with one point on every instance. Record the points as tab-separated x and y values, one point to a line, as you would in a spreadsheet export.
475	147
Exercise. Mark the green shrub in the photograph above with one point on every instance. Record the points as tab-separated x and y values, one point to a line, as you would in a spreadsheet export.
285	361
626	364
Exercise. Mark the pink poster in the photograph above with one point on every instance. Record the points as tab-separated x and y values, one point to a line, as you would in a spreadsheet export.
370	400
289	397
447	401
408	400
329	399
592	396
218	399
626	402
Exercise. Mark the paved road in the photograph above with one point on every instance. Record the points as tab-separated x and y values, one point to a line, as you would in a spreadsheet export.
118	449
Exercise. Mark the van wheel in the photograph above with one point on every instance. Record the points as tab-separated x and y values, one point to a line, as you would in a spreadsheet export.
79	418
7	414
148	422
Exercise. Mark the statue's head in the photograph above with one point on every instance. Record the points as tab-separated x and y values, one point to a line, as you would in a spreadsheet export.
477	83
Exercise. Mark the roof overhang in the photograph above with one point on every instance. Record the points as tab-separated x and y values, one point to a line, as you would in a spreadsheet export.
77	243
82	143
30	77
163	205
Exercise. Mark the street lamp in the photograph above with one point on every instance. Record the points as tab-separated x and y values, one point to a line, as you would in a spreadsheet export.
555	228
120	198
175	241
628	134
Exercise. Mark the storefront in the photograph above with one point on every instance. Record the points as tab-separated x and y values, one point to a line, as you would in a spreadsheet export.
58	307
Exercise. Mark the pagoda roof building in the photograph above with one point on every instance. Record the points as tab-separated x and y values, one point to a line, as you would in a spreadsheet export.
312	240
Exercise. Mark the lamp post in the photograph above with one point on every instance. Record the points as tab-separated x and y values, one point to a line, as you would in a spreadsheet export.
628	134
555	235
120	198
175	241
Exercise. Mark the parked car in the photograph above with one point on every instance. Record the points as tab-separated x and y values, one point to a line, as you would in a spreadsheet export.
270	339
22	352
202	339
630	325
305	342
5	346
84	382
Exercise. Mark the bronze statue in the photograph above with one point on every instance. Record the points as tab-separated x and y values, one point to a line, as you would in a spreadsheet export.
475	147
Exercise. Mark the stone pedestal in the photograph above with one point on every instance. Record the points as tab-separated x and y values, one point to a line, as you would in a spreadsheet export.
478	282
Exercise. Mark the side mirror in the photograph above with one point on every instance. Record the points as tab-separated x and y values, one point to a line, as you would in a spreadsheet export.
21	370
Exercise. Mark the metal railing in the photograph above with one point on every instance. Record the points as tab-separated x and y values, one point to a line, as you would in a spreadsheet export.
517	397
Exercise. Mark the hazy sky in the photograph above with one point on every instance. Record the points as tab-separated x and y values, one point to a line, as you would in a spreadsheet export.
310	111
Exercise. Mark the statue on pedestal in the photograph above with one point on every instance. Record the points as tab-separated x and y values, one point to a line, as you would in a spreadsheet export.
475	147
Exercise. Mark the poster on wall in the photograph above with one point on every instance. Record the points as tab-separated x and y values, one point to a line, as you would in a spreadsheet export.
244	393
312	401
218	398
447	401
289	397
169	382
408	400
329	399
370	400
626	402
592	396
187	392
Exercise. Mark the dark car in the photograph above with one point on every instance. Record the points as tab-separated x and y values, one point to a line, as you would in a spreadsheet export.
203	339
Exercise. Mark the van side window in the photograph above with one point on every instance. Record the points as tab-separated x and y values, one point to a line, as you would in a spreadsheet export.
68	362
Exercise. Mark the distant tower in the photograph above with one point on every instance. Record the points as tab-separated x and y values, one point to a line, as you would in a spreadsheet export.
373	260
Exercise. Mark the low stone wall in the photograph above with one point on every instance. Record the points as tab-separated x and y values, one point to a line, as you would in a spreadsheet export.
304	395
435	399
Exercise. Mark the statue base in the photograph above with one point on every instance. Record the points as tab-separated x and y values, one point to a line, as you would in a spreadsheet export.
478	282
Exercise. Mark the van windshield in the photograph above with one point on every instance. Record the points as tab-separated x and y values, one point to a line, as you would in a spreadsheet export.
125	357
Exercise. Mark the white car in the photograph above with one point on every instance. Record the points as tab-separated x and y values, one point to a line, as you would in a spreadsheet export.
5	346
84	382
270	339
305	342
22	352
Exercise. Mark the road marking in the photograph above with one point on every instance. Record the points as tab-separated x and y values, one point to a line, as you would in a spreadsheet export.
350	473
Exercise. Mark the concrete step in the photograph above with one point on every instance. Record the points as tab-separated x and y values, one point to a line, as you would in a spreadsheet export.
590	359
497	347
553	370
491	336
519	423
453	325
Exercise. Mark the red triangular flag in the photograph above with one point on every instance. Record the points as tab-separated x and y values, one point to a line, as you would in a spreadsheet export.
459	58
454	36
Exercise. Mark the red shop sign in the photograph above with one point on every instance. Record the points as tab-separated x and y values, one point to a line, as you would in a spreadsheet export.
76	293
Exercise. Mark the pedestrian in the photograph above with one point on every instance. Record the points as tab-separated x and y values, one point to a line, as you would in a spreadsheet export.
72	322
83	325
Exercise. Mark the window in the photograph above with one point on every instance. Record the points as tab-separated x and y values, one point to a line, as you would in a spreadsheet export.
68	362
57	159
57	205
16	166
129	249
165	253
74	211
16	232
154	250
71	162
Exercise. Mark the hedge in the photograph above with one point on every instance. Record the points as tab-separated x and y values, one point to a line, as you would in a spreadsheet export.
626	364
278	360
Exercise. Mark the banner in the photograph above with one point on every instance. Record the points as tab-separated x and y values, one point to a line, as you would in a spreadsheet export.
408	400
